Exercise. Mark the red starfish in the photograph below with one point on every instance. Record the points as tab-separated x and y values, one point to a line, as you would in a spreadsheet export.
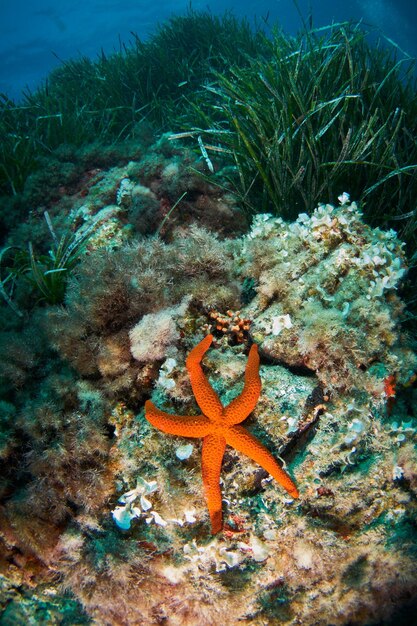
218	427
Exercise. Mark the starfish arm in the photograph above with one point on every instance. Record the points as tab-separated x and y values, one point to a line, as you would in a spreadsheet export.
207	399
183	425
212	457
239	408
239	438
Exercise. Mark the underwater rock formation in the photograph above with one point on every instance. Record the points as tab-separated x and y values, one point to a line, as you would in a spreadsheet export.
101	508
326	297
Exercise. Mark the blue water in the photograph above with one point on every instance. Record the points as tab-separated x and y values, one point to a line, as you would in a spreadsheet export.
35	36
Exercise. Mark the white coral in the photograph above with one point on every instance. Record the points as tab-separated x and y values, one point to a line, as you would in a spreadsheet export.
151	338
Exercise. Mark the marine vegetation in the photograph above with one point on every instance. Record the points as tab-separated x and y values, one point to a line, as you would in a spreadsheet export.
106	100
157	245
288	121
312	114
46	274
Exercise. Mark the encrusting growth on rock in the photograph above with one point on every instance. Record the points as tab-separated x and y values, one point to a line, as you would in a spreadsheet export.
218	426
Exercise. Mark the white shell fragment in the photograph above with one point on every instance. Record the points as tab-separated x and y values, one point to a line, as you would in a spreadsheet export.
260	551
397	472
184	452
123	515
158	519
344	198
279	322
190	518
145	504
165	372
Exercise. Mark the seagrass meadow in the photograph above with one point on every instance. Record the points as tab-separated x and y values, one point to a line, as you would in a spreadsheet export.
259	188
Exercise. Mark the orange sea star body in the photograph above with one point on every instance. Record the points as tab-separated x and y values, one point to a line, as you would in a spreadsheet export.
218	426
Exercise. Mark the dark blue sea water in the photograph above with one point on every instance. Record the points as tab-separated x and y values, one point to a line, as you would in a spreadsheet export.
35	36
